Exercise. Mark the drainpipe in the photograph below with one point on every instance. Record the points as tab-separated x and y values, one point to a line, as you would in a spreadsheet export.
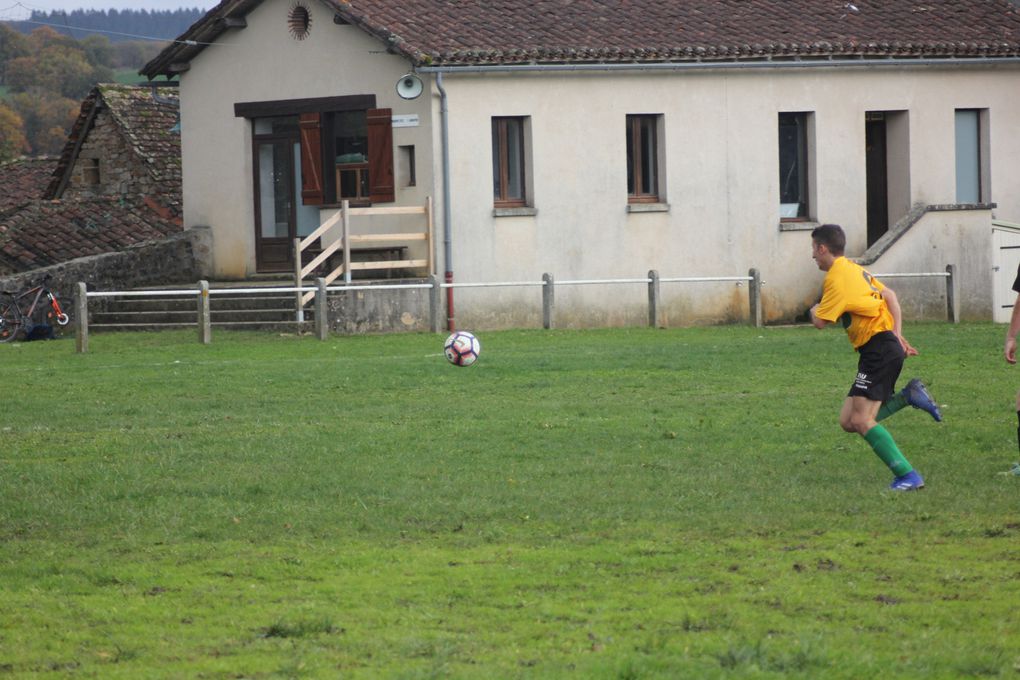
160	99
447	229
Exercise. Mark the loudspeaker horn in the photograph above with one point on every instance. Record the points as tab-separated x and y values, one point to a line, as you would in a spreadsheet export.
409	86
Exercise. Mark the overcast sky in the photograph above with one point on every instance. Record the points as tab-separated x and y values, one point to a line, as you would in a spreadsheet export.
11	10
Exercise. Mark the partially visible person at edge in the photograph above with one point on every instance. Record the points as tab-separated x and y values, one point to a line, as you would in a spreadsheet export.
1010	352
870	313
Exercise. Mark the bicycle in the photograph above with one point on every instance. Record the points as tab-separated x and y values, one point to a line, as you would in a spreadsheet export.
16	318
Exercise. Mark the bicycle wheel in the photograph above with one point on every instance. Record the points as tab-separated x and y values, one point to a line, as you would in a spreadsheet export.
11	322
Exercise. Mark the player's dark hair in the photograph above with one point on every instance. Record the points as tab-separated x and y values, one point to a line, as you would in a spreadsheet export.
831	236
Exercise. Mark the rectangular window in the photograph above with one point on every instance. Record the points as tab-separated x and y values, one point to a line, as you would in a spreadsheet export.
408	172
347	145
642	159
508	178
354	148
970	161
90	171
794	170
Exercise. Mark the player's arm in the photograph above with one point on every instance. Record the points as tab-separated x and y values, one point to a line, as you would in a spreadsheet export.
894	309
819	322
1014	327
830	307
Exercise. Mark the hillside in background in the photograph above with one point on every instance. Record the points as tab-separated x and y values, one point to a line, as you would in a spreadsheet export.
45	74
117	25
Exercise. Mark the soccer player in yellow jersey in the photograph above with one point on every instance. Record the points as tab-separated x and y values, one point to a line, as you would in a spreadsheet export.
870	313
1010	351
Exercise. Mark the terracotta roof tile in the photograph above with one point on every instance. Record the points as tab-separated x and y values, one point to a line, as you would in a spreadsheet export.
148	119
508	31
465	32
45	232
23	180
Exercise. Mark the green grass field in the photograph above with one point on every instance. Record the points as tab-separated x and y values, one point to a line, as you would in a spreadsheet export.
580	504
127	76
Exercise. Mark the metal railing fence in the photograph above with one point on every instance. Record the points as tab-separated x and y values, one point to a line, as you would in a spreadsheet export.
321	290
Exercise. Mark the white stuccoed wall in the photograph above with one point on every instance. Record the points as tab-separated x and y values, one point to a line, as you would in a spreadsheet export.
721	177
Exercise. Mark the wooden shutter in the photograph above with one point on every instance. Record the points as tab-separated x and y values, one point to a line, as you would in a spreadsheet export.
380	156
310	125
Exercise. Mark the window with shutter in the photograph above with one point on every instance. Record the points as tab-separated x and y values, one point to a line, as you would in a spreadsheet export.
346	147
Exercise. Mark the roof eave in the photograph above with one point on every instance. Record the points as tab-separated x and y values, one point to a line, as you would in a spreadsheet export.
176	58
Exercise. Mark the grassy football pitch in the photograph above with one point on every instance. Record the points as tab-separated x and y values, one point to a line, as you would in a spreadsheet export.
581	504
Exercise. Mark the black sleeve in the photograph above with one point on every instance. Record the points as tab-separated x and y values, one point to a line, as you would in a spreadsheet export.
1016	282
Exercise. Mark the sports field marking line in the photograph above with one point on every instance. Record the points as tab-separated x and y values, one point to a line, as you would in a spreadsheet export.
224	362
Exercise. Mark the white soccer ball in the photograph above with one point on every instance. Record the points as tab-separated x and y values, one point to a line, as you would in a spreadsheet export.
462	348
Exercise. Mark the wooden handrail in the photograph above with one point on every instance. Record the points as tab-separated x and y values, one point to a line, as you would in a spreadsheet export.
322	229
399	210
346	240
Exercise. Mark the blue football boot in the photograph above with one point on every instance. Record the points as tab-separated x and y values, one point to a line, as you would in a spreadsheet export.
911	481
918	396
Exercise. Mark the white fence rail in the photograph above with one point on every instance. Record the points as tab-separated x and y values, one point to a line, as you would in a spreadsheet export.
320	291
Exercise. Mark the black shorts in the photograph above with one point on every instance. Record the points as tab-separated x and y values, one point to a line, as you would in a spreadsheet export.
878	368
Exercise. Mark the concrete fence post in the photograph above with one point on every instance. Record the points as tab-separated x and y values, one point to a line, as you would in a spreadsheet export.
754	298
204	322
653	298
321	310
435	303
300	311
548	300
952	294
81	316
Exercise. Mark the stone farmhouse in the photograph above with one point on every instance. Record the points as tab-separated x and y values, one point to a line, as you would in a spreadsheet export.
115	187
599	140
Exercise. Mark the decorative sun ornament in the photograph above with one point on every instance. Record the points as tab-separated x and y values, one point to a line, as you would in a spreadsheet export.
299	20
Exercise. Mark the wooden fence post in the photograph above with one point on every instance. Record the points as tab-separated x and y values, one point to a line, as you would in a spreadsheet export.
204	322
548	300
754	298
952	294
81	316
321	310
653	298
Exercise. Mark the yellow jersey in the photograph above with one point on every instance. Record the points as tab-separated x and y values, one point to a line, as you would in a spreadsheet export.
850	292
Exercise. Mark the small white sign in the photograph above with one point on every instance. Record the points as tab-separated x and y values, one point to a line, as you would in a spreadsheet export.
405	120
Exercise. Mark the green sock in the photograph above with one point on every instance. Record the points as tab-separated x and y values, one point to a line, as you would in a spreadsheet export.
885	448
891	406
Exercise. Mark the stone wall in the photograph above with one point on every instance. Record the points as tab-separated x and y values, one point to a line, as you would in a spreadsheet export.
181	258
379	311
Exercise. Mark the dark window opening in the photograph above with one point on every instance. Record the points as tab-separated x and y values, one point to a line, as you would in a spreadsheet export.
793	170
508	162
642	159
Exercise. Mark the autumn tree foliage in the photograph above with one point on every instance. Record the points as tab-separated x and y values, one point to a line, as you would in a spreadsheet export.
46	75
12	135
12	46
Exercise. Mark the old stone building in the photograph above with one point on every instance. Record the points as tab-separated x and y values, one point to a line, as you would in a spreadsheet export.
117	183
125	142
